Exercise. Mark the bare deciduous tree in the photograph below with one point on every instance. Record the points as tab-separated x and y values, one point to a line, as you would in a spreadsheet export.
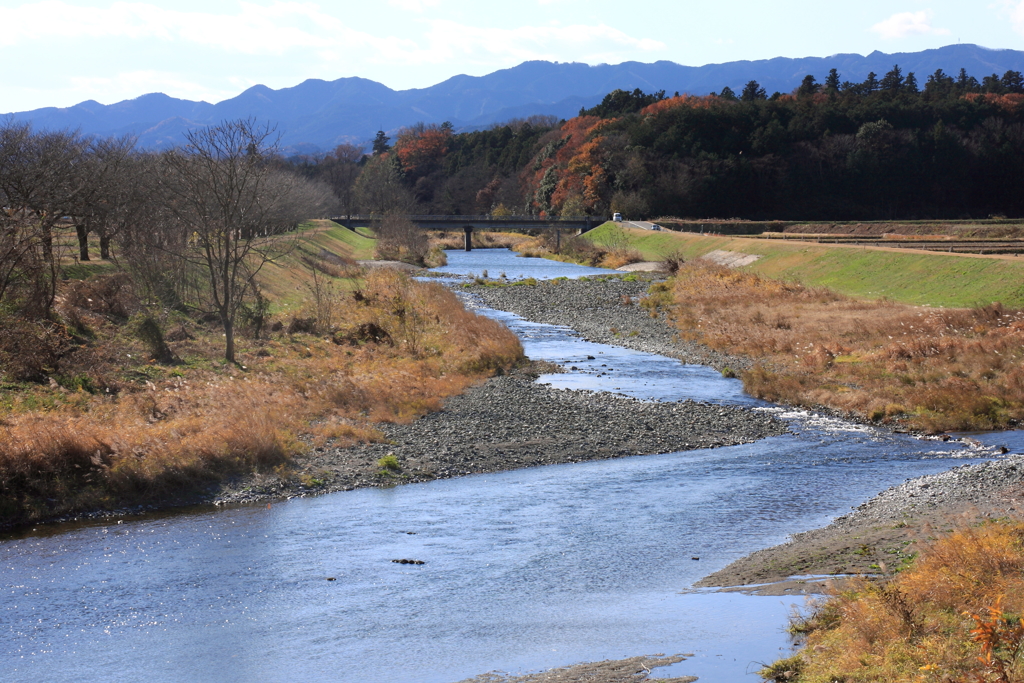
40	182
399	239
233	206
107	190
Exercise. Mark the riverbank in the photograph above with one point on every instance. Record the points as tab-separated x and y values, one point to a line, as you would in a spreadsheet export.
605	310
508	423
881	536
886	533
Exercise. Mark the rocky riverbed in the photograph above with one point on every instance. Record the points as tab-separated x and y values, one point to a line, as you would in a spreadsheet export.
606	310
508	423
512	422
879	537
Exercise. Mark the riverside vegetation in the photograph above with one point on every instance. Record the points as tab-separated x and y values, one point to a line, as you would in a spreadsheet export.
214	336
931	369
953	616
928	368
130	415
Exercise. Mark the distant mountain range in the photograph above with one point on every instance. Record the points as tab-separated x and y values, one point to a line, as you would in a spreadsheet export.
317	115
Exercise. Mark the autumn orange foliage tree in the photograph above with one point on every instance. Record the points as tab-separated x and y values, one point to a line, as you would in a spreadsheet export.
422	147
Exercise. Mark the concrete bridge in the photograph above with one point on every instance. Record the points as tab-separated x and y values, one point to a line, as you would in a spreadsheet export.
577	224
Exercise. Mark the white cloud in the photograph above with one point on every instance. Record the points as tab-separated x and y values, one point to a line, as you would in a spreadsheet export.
285	26
417	6
254	29
450	41
906	24
1015	10
299	39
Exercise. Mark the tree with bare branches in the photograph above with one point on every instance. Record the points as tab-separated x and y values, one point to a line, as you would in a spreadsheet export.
233	207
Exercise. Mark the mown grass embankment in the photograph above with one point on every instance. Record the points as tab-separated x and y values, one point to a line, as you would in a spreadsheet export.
919	278
111	425
283	279
930	368
955	615
319	244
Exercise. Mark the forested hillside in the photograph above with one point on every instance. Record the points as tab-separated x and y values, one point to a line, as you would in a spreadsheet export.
896	146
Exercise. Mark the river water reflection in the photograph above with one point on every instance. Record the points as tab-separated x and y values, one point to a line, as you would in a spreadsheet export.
523	570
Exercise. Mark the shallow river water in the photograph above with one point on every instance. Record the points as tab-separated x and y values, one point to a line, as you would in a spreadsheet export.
523	570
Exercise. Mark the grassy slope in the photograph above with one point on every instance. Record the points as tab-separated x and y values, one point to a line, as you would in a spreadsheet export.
284	280
914	278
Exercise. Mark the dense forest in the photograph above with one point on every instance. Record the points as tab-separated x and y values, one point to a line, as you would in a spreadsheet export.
887	148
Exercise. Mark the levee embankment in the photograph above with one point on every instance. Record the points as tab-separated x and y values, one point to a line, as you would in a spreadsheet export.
871	272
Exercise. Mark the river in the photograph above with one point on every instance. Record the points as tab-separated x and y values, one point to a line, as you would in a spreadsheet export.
523	570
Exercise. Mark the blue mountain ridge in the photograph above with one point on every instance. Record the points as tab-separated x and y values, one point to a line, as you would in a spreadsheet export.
318	114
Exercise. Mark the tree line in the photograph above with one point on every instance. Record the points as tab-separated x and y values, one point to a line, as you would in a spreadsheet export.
191	226
894	146
194	225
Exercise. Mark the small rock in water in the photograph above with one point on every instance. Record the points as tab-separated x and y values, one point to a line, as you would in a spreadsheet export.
694	558
331	578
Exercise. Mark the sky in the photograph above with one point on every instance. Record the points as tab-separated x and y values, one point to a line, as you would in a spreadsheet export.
61	52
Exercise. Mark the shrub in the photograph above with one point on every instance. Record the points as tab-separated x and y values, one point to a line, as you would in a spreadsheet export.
952	616
389	464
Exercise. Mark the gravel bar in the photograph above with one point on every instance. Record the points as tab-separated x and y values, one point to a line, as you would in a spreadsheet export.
604	310
512	422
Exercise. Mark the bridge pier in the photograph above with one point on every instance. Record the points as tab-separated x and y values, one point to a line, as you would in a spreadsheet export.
469	237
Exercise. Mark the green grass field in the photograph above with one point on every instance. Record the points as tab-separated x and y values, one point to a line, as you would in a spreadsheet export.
914	278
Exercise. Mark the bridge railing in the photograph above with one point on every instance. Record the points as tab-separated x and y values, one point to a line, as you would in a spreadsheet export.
482	218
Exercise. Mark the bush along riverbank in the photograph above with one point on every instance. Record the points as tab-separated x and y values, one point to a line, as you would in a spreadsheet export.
153	419
954	616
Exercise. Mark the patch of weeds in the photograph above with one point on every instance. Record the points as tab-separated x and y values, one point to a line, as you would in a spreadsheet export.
728	373
310	481
863	550
528	282
783	670
905	562
389	465
78	383
632	277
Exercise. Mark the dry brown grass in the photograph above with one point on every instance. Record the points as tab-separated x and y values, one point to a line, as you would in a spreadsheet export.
196	423
936	369
954	616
